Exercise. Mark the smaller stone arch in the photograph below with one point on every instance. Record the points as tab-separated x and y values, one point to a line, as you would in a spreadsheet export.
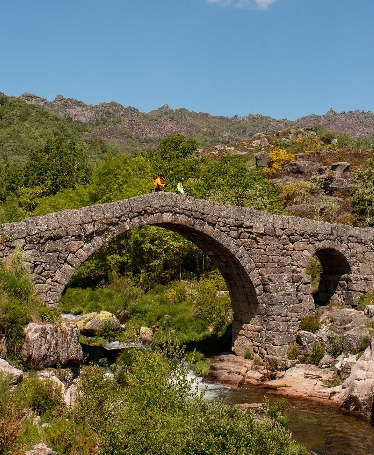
334	278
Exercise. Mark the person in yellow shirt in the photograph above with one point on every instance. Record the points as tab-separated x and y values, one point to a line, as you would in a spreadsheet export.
157	184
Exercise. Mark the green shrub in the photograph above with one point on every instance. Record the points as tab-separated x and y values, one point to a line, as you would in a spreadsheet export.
11	428
68	437
293	351
77	300
363	195
157	412
318	351
46	314
169	423
13	318
14	278
41	395
364	300
334	382
314	269
310	323
365	342
196	361
201	368
276	410
248	355
335	347
19	303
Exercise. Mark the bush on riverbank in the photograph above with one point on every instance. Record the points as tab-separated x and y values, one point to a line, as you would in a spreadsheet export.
156	412
147	406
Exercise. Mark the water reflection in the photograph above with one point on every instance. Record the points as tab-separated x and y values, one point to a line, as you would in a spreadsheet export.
321	428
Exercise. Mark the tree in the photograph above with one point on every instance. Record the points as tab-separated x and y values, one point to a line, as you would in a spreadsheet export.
177	147
60	163
175	158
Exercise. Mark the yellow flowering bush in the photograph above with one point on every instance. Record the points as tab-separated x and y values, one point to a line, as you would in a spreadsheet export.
308	144
170	294
278	158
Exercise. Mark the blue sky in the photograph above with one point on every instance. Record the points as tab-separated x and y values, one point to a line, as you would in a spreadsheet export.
282	58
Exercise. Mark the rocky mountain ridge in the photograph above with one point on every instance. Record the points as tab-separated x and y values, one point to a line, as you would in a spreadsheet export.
128	127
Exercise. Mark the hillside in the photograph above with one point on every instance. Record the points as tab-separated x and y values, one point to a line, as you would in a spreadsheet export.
306	168
131	129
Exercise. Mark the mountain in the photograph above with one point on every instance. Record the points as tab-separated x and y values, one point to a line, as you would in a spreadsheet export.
354	123
129	128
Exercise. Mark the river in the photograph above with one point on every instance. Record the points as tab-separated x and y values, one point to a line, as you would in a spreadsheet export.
321	428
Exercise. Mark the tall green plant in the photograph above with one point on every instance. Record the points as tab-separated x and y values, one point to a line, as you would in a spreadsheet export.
19	303
363	195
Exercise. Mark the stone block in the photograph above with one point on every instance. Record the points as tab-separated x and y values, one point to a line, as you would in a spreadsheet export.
369	311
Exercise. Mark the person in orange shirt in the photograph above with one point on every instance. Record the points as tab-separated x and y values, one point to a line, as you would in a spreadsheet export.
157	184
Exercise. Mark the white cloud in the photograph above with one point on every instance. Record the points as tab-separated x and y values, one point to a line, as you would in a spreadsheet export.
259	4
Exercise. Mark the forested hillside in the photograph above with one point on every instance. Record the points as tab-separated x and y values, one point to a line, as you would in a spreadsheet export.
131	129
48	162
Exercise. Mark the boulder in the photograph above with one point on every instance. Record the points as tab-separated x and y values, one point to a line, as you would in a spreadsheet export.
262	159
343	319
369	311
344	365
303	381
352	340
305	338
341	169
236	371
326	361
146	335
300	167
340	185
45	345
358	389
262	142
14	374
328	338
90	324
41	449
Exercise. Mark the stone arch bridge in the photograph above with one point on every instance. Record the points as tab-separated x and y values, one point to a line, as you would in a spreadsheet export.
262	257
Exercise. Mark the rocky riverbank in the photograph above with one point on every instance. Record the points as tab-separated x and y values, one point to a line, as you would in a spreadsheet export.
353	395
333	362
301	380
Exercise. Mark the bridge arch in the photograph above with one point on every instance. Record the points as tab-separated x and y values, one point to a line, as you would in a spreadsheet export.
334	277
233	261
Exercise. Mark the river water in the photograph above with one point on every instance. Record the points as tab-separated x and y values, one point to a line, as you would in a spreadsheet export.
320	427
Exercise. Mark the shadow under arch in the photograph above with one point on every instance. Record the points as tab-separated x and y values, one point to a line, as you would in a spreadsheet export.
334	277
240	286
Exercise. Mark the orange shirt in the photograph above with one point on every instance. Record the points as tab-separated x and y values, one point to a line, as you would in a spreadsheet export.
158	185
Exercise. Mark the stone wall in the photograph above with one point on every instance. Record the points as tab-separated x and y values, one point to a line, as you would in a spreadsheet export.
262	257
